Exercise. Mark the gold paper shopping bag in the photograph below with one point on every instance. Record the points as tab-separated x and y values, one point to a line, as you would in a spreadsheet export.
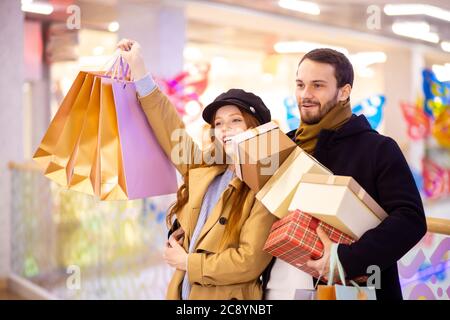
61	161
47	147
86	165
112	184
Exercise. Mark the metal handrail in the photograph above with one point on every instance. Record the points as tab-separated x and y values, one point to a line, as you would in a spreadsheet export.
24	166
438	225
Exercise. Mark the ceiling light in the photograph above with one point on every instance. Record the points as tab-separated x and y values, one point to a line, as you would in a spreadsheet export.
365	59
365	72
415	30
300	6
417	9
303	46
36	7
445	45
113	26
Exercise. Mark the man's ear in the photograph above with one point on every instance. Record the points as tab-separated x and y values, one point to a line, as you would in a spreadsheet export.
344	92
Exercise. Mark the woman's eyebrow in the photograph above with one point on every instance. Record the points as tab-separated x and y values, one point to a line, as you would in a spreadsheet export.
233	114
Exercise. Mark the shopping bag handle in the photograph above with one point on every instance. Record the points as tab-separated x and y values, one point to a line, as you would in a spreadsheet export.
119	69
107	66
334	261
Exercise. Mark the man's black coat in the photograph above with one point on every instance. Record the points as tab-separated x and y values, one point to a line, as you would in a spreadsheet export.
377	164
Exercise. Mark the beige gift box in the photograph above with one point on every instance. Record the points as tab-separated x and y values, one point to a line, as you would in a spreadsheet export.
339	201
277	193
259	152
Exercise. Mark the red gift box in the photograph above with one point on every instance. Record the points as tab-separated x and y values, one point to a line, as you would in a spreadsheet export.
294	240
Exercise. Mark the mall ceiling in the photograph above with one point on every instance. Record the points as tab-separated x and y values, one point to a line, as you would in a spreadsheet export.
352	14
346	14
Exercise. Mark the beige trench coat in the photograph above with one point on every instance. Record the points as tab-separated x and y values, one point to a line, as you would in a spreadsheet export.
231	273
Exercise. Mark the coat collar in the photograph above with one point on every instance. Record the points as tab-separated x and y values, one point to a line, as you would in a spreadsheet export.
199	181
201	178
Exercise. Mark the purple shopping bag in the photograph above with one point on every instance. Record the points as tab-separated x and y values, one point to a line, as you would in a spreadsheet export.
147	169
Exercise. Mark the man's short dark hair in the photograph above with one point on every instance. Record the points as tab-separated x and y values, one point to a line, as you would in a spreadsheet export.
343	69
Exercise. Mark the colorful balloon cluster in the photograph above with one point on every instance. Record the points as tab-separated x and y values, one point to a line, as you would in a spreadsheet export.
427	118
185	89
418	122
437	94
432	116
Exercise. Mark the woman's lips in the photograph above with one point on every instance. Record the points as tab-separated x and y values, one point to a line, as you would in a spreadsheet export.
226	140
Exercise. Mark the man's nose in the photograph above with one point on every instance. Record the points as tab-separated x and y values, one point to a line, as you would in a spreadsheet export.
306	94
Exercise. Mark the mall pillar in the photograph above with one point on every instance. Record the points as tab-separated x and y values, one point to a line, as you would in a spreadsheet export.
416	149
397	88
11	116
161	31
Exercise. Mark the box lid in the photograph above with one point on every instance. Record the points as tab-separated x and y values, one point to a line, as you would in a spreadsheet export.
297	154
254	132
237	139
352	185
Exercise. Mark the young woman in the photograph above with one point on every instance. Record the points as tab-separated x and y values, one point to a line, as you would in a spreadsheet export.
219	227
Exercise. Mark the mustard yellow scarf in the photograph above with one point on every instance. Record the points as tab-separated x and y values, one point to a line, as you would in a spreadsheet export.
307	135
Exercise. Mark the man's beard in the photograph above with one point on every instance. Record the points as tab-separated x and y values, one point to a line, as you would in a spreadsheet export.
321	111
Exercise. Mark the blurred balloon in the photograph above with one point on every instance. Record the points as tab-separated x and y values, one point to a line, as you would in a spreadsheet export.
372	109
292	117
435	179
441	129
437	94
185	90
417	121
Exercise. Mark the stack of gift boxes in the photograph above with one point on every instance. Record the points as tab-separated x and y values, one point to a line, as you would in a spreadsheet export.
303	194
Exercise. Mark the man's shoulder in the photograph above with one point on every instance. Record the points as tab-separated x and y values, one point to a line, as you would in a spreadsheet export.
382	140
373	136
371	144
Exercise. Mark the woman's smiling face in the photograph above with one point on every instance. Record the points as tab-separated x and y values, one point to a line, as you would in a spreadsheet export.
228	122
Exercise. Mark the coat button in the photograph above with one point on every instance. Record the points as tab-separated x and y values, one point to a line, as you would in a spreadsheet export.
222	220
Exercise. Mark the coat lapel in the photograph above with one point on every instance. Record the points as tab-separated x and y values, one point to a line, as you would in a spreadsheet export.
199	181
219	210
